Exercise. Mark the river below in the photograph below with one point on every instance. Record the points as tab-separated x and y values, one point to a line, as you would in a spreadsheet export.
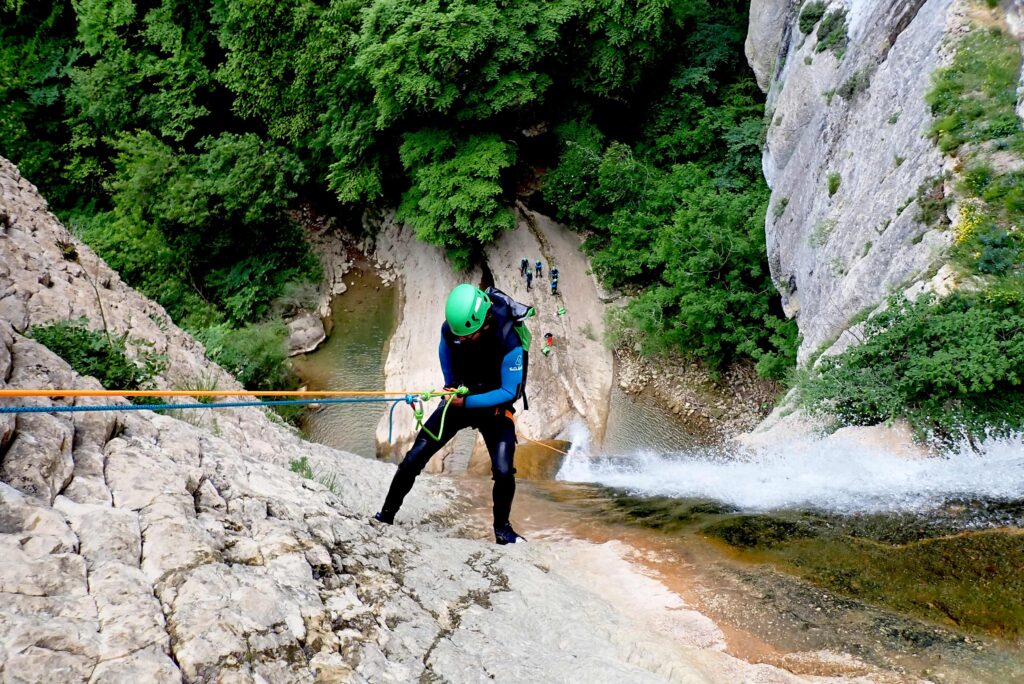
351	358
913	566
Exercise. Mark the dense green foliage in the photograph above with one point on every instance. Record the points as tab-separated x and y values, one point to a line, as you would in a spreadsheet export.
832	33
175	136
810	15
678	216
974	100
91	352
255	353
950	366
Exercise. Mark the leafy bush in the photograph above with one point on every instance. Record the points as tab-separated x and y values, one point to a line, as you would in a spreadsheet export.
973	99
856	84
833	183
933	202
256	354
780	207
832	33
810	15
93	353
950	366
456	197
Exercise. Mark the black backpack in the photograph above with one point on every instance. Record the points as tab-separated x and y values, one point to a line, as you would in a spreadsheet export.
515	315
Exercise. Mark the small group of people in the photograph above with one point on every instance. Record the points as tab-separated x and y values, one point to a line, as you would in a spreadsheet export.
528	274
537	272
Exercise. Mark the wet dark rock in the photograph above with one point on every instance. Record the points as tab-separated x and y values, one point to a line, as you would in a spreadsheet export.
754	531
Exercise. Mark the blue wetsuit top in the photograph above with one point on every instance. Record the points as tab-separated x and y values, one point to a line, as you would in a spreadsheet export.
511	378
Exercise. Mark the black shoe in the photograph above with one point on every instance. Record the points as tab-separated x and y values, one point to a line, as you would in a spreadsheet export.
506	535
386	518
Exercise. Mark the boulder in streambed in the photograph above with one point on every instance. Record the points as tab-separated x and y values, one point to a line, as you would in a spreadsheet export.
305	334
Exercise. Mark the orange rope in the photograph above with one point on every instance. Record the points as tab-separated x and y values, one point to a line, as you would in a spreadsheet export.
546	446
198	393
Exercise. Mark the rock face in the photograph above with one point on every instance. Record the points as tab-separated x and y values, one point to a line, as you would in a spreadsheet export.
572	383
332	251
769	19
137	547
846	154
426	277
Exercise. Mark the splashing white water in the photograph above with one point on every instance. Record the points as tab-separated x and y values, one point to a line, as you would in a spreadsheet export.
823	475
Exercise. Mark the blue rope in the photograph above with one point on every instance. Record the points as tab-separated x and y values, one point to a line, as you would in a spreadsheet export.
408	398
175	407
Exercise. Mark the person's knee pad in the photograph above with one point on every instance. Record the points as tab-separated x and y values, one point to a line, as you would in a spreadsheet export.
501	464
413	463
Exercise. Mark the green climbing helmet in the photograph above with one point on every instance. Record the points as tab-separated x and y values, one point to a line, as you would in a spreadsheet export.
466	309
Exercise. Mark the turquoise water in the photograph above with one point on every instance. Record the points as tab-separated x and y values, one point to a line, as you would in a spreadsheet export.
352	358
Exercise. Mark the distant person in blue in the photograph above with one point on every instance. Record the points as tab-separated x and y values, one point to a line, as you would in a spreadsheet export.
481	351
537	266
553	273
554	284
524	266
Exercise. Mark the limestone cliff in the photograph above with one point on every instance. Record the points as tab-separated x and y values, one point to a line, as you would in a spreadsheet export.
846	154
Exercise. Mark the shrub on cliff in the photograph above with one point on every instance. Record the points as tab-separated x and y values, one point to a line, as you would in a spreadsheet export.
94	353
951	366
256	354
811	13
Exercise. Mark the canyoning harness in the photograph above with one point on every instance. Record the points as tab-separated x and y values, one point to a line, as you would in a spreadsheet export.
477	364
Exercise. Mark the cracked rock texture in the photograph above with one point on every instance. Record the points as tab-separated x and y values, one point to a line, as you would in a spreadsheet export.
141	547
863	118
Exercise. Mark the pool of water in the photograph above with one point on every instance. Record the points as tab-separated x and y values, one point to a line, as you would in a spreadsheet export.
909	563
637	424
352	358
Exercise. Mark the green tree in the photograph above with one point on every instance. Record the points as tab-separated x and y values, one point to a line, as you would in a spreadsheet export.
457	196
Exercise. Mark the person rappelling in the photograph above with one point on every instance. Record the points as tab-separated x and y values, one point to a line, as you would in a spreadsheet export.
484	348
